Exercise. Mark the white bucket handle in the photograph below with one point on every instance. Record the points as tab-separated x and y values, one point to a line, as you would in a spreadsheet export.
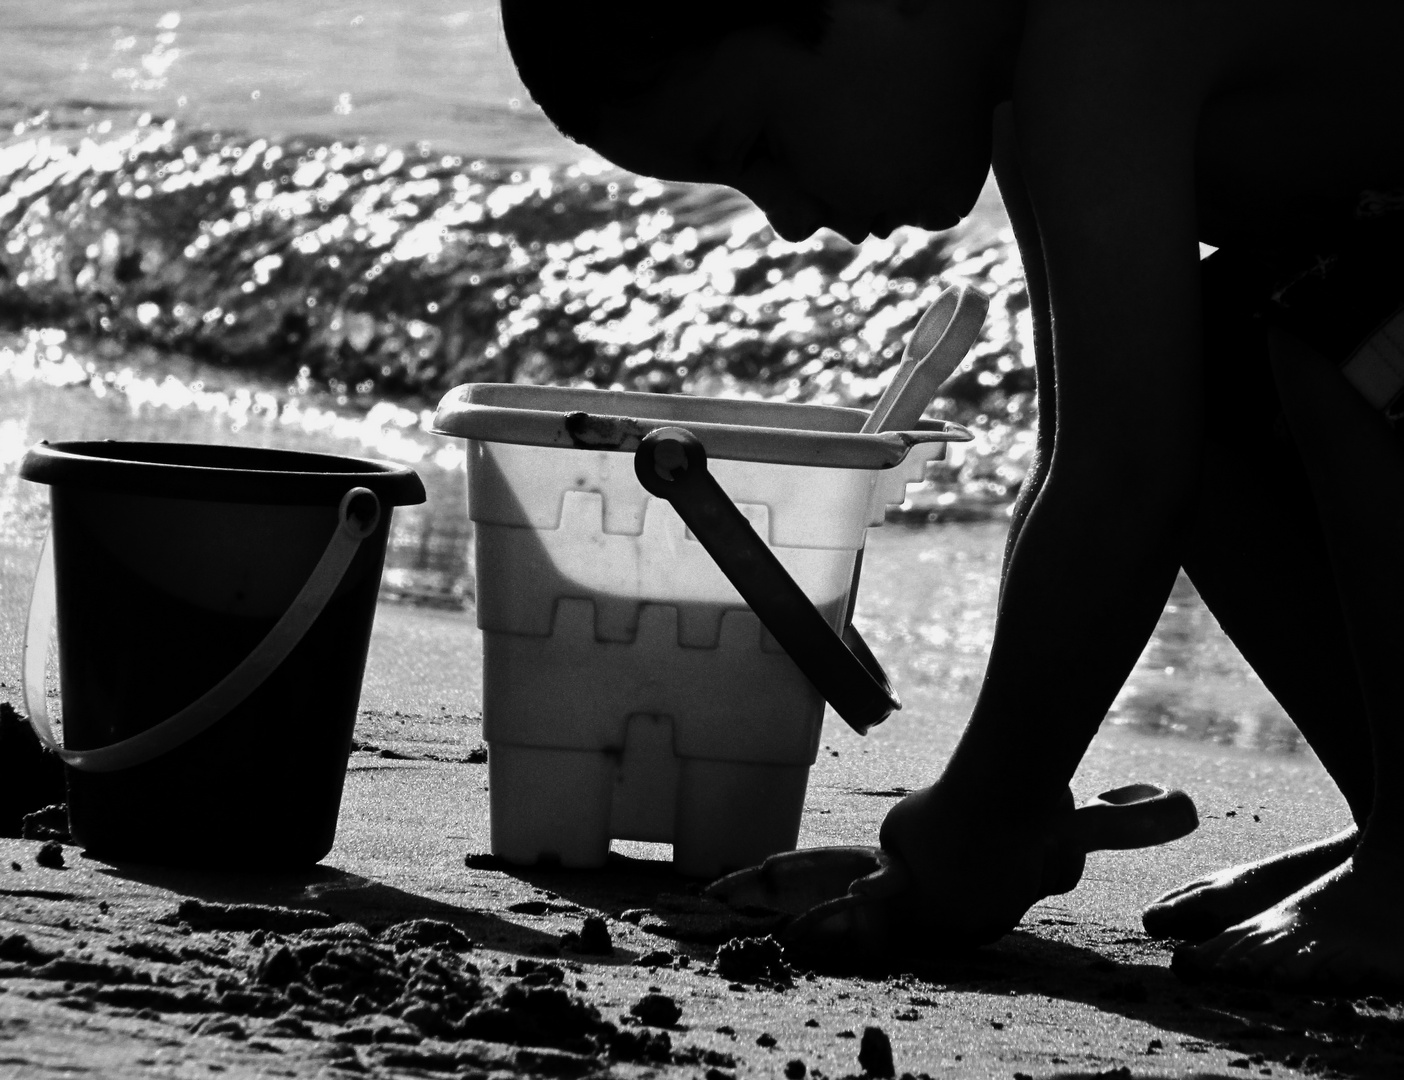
671	464
358	516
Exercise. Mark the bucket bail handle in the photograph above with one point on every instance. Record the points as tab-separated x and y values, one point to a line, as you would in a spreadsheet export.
671	463
358	515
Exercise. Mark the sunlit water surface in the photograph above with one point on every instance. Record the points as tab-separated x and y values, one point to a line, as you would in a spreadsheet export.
429	70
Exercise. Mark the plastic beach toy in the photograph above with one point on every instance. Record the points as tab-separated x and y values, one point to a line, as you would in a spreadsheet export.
800	882
840	896
664	588
938	342
214	608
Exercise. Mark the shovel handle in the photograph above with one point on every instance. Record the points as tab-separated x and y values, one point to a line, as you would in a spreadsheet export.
1135	816
939	342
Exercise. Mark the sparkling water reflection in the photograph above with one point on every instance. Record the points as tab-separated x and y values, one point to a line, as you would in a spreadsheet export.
927	607
161	398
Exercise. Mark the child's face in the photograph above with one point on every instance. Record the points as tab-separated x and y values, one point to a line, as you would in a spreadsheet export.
877	127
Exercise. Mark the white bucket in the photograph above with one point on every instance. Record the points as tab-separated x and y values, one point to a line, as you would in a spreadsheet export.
629	692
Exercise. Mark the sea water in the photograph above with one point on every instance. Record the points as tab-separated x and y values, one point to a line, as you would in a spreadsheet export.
434	70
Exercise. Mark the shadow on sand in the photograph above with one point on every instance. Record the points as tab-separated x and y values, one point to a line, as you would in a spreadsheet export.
1262	1030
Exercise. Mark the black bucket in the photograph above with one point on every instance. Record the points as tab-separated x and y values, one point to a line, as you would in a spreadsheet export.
214	609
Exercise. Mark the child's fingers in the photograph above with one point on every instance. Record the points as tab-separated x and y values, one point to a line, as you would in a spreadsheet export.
851	933
890	879
795	881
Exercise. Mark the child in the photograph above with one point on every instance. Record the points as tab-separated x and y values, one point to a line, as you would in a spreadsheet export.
1217	416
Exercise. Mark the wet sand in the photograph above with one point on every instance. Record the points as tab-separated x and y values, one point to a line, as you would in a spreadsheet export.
1077	990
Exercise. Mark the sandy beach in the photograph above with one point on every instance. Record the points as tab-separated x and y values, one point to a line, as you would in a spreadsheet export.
123	970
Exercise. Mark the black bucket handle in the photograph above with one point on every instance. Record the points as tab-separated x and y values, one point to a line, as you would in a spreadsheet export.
358	515
671	463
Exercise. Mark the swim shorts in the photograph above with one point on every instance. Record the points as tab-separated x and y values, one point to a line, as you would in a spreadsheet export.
1343	295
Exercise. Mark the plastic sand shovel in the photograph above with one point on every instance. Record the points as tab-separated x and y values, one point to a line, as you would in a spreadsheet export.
797	882
942	337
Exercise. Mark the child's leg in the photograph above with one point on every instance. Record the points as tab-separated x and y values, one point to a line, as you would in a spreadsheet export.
1261	565
1257	555
1344	929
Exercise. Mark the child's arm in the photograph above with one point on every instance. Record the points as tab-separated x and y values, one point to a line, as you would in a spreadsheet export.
1015	193
1105	132
1105	116
1100	184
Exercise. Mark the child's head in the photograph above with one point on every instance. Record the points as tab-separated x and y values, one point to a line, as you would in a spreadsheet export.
578	58
859	115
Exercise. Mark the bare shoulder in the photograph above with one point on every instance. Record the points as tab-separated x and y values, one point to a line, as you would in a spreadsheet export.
1106	104
1103	76
1072	46
1117	102
1107	99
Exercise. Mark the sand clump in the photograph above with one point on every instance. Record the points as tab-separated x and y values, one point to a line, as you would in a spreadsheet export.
50	855
47	823
656	1010
31	777
758	961
593	938
875	1053
410	992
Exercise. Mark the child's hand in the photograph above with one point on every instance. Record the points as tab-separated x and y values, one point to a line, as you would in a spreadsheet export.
933	891
951	877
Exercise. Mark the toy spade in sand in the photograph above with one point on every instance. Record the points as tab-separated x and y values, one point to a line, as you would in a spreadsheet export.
806	883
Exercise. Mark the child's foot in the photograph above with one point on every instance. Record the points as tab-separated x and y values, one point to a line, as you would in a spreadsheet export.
1209	905
1340	934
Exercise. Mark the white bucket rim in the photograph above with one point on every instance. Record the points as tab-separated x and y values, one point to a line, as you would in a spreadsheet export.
773	432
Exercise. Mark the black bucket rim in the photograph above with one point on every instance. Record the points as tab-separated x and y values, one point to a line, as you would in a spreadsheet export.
217	472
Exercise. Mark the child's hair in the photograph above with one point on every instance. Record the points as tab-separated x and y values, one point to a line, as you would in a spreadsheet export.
577	56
